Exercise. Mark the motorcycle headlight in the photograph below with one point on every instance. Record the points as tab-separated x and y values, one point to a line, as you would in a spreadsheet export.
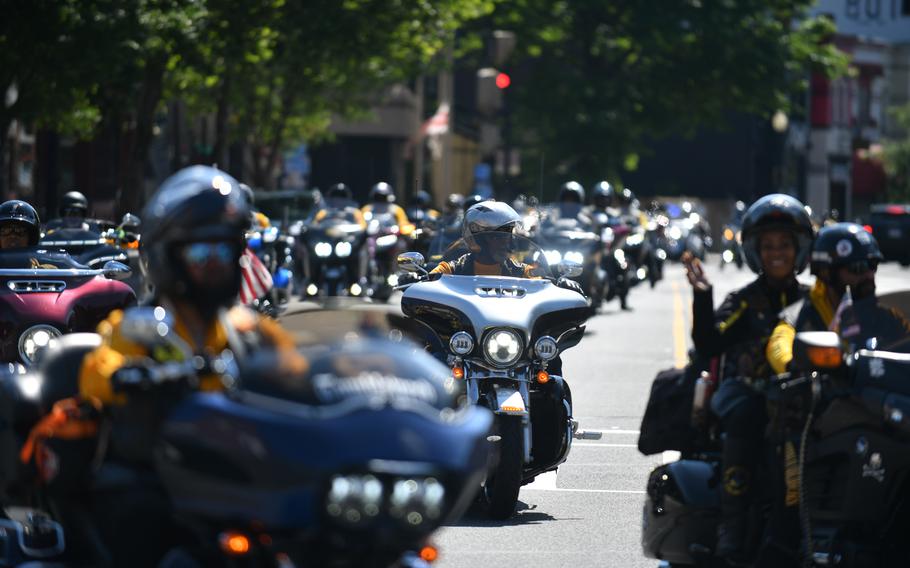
635	240
343	249
574	256
502	347
607	235
461	343
546	348
323	249
674	233
34	339
353	499
416	501
553	257
386	240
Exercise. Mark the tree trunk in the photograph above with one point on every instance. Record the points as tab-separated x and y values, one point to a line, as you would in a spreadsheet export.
149	97
277	142
221	127
6	168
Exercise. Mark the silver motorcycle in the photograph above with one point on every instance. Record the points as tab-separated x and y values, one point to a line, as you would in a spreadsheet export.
503	336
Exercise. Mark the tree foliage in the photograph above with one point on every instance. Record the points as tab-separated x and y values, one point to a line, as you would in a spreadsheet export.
896	154
600	77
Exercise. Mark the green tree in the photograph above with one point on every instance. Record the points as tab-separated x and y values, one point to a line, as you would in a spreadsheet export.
896	154
600	77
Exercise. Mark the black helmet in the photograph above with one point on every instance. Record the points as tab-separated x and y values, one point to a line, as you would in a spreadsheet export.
776	212
623	195
422	199
488	216
841	244
602	194
571	191
472	200
382	193
197	203
73	201
340	192
16	211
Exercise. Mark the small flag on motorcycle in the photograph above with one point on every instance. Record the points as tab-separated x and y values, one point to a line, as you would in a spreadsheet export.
256	281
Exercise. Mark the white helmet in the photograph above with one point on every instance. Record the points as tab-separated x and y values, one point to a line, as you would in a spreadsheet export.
488	216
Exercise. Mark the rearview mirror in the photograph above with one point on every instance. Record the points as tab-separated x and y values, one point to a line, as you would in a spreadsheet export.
570	268
411	262
816	350
116	270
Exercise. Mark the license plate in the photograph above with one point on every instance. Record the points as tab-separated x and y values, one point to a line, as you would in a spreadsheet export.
895	233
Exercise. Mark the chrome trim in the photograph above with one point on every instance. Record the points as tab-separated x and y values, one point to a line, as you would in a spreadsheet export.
30	286
58	272
82	243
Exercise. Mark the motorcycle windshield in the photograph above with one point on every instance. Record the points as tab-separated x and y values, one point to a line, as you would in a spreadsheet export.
504	250
338	224
37	258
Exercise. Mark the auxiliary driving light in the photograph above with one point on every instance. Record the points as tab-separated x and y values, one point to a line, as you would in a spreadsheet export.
546	348
461	343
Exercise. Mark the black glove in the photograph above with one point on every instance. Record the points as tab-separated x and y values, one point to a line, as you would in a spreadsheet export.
570	284
409	278
131	378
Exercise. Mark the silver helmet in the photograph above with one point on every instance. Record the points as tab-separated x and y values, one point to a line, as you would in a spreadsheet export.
488	216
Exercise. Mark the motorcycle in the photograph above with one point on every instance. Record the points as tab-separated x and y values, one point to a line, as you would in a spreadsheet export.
88	248
570	238
127	238
334	256
731	247
275	251
355	461
840	436
619	273
46	294
502	337
385	240
655	235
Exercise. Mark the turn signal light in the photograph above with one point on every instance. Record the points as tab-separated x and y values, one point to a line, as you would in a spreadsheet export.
234	543
429	553
543	377
458	372
868	228
825	357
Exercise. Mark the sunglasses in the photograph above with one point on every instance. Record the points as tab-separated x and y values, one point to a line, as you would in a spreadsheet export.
204	253
13	232
861	267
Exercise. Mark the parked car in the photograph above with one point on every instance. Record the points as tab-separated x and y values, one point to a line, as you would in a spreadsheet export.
890	223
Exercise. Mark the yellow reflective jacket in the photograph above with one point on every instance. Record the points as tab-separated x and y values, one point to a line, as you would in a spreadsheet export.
116	351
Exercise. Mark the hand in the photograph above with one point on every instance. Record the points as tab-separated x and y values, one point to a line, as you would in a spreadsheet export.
695	272
409	278
570	284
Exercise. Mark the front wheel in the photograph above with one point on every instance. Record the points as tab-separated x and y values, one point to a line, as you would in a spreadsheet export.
500	492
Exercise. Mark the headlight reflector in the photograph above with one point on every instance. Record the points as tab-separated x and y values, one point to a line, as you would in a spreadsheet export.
323	249
502	347
34	339
461	343
354	499
546	348
343	249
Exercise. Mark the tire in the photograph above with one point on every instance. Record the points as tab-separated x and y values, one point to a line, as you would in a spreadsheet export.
500	492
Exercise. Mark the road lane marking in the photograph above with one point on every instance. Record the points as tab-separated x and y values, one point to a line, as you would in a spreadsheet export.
594	445
543	482
679	328
564	490
630	432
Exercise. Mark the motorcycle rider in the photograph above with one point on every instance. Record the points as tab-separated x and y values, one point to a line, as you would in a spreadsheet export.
340	198
421	209
73	212
844	255
20	226
570	202
193	242
777	236
382	200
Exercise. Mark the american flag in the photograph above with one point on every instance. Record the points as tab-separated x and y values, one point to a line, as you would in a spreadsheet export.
256	281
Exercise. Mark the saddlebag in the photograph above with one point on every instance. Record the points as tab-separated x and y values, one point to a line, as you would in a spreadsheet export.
62	446
681	512
667	423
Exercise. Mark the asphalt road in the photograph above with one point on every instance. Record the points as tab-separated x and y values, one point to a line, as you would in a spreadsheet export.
589	512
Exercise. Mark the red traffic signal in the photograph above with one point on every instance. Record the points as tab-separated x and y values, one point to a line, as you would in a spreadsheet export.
503	81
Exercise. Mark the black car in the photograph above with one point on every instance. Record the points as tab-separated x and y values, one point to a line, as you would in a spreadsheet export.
890	224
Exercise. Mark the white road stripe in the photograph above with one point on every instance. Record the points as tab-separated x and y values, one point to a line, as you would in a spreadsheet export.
595	445
543	482
560	489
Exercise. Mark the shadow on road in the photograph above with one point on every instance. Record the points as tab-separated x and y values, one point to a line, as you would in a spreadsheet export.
524	515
